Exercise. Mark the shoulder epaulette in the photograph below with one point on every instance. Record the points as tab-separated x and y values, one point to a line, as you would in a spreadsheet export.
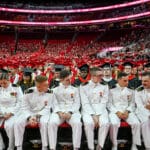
75	85
104	83
141	88
14	85
28	91
49	91
131	88
112	87
84	83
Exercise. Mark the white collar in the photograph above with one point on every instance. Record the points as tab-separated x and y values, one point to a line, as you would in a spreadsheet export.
147	90
61	85
118	86
93	84
40	93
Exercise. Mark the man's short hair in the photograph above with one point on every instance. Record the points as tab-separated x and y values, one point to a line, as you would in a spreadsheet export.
94	70
40	79
144	74
4	76
121	74
64	74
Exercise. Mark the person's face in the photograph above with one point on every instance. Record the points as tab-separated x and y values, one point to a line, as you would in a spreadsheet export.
67	68
107	71
4	83
128	69
66	81
115	68
26	78
97	77
57	75
146	82
123	82
13	71
83	74
40	68
42	87
134	71
147	69
20	68
140	68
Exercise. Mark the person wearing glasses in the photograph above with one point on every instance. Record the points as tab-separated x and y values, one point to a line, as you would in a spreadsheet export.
94	97
107	78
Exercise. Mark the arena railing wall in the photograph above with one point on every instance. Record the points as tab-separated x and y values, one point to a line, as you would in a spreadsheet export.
71	23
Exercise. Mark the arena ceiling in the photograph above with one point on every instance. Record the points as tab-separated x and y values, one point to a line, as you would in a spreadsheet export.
75	3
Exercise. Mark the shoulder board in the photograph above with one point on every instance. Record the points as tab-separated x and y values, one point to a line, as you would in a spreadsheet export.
85	83
104	83
131	88
14	85
49	91
28	91
74	85
141	88
112	87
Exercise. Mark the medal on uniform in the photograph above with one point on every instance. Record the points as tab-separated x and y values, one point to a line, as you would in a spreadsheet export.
129	97
72	95
101	94
13	94
45	102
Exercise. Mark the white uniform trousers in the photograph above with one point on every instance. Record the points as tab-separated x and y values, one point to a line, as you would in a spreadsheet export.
135	127
55	121
19	129
102	131
146	133
9	128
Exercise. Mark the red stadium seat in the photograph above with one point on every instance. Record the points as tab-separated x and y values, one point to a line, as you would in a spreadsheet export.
65	125
2	126
28	126
36	126
124	124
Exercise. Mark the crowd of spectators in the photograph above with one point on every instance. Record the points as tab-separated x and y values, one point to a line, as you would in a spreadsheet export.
135	47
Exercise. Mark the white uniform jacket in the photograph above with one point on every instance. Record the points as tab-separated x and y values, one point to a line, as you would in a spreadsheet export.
94	98
121	99
66	99
142	98
10	99
37	103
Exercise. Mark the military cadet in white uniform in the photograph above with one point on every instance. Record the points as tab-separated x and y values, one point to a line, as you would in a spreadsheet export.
66	108
122	107
94	97
10	102
142	99
35	109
